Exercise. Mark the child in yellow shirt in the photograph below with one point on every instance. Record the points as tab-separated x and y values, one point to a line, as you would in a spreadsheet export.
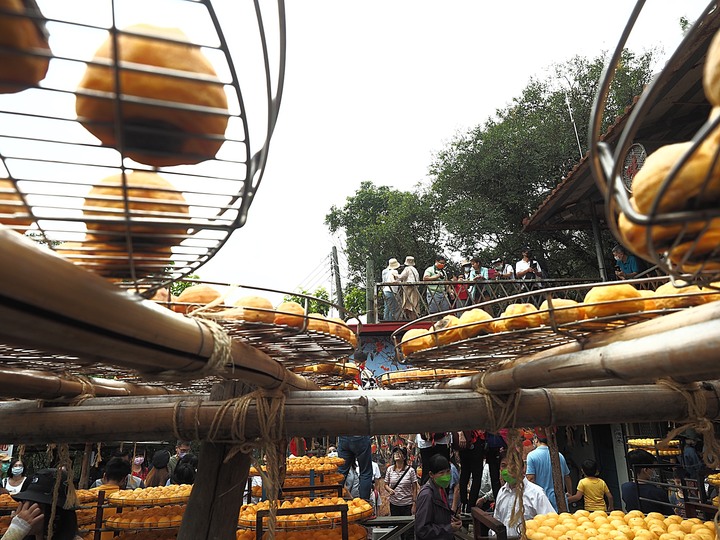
592	489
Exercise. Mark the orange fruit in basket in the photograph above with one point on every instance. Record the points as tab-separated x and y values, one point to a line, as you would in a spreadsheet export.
678	297
444	332
564	311
477	321
613	300
317	323
196	294
414	340
290	314
529	317
250	313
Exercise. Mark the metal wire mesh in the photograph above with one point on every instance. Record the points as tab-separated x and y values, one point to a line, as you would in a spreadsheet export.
495	345
671	217
157	110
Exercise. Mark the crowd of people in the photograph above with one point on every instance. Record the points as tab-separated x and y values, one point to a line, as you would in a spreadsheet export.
446	287
450	285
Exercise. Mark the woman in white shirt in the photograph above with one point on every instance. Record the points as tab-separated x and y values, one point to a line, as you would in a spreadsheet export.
15	479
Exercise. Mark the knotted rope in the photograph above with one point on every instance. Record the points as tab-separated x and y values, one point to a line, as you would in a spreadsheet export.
508	406
516	469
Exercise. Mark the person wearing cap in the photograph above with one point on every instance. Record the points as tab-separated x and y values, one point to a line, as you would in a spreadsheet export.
159	474
436	298
410	294
32	517
527	267
391	311
502	270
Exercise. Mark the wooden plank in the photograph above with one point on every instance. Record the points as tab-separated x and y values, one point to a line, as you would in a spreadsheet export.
217	492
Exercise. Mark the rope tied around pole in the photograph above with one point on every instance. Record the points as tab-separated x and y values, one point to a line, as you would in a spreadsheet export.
64	465
696	419
220	358
270	407
508	406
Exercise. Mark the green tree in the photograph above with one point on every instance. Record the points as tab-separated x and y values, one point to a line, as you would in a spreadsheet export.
176	287
380	222
318	303
486	181
354	299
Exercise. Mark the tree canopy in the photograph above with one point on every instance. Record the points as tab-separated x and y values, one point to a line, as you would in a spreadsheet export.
486	181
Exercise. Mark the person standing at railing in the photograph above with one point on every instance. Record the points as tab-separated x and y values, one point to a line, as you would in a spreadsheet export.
527	267
410	295
502	270
477	273
626	265
436	298
391	311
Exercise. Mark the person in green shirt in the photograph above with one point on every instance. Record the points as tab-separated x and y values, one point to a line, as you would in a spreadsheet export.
436	293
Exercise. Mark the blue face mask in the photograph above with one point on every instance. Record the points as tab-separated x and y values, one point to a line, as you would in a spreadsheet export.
5	467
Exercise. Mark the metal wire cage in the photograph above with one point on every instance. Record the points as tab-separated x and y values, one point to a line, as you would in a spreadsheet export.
667	213
131	153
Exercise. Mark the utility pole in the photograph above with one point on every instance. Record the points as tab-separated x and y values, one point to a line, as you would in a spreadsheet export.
338	285
370	291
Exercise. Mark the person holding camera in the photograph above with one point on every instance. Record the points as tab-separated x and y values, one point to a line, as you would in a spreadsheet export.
626	265
527	267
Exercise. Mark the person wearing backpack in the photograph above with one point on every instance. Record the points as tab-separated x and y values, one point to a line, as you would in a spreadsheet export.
401	484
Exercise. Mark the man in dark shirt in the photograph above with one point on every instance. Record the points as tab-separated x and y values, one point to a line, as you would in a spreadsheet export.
633	492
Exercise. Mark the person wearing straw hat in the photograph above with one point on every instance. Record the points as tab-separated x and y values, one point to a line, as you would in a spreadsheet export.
33	515
391	311
410	295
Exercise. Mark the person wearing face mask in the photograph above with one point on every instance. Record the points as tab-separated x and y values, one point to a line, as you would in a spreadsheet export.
14	481
502	270
626	265
139	468
182	448
5	460
433	518
436	294
533	497
641	494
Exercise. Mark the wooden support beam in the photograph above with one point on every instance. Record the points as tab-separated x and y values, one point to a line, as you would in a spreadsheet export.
90	318
321	413
639	355
36	384
218	490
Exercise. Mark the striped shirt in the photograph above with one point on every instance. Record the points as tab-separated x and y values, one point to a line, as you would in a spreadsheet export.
403	495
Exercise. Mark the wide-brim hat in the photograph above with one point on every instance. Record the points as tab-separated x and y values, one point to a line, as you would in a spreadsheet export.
39	488
5	457
409	261
465	262
495	261
393	264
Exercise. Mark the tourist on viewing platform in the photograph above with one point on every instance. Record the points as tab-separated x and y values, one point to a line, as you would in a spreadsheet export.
410	298
391	294
436	294
626	265
527	267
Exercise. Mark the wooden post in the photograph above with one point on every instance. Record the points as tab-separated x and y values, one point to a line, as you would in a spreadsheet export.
557	476
85	467
217	493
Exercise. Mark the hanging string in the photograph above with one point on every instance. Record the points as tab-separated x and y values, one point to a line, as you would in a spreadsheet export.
508	406
270	408
696	419
516	469
21	451
98	457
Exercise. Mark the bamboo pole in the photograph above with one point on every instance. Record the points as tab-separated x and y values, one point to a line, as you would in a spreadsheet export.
688	352
80	314
319	413
35	384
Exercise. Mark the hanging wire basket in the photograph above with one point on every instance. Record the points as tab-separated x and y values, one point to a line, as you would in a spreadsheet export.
131	153
665	208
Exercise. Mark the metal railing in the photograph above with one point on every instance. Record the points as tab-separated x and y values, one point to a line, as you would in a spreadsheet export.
409	301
